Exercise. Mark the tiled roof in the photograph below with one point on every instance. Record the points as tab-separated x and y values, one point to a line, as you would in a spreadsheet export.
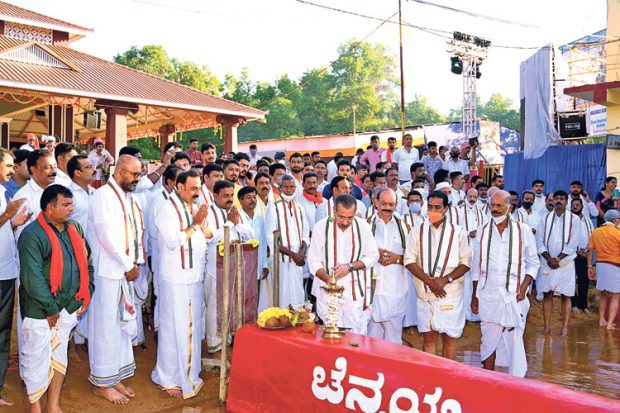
10	12
96	78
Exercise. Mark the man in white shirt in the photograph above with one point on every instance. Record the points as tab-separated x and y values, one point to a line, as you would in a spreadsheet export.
310	199
288	217
576	192
557	238
504	265
320	169
335	240
101	159
339	186
42	168
221	212
453	213
580	300
388	276
81	173
332	166
527	212
483	201
455	163
210	175
538	187
10	216
181	253
251	215
418	172
438	255
30	144
404	157
473	219
63	153
116	237
253	156
458	181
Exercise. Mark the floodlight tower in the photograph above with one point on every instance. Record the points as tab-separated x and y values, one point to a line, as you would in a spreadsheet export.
468	52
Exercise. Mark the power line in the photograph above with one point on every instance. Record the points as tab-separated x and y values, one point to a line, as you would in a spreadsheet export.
325	68
472	14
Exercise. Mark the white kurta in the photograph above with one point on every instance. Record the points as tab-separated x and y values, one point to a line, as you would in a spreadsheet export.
205	197
556	236
444	315
352	302
310	208
181	299
290	219
502	317
388	302
32	192
326	209
216	219
530	218
116	237
9	260
473	218
539	202
404	159
62	178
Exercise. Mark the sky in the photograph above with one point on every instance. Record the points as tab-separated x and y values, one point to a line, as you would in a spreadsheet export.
274	37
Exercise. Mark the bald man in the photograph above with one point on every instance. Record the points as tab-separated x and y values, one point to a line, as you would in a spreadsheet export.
504	265
116	228
389	275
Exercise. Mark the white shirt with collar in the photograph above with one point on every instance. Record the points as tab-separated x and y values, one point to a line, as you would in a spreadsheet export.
111	231
258	226
26	147
156	201
81	204
177	262
404	159
586	232
8	248
216	218
32	192
530	218
62	178
309	207
457	195
460	165
539	202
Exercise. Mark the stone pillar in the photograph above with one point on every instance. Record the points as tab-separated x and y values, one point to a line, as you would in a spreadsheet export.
230	124
116	123
166	131
60	122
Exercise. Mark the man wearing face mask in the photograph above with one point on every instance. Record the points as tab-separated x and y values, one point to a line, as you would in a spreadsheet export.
502	269
438	255
253	155
417	211
529	216
388	276
288	217
455	163
557	237
473	219
453	214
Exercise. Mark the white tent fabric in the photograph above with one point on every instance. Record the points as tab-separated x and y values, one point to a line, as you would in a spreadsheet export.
536	88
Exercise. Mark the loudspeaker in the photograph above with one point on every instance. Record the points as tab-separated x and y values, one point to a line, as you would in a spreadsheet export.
92	119
573	125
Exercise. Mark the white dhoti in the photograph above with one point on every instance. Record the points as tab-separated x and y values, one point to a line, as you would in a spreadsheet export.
110	353
291	284
352	314
503	333
411	301
468	289
179	339
561	280
43	351
141	287
445	316
214	341
387	317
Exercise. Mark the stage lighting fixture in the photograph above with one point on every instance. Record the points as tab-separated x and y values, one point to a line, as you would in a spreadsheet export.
457	65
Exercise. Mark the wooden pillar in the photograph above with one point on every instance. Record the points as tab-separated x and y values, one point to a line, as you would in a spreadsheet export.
166	132
60	122
4	133
230	124
116	123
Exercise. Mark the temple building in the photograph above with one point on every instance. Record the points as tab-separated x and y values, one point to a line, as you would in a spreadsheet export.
49	88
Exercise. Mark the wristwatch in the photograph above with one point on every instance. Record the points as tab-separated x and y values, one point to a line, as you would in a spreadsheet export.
351	268
450	279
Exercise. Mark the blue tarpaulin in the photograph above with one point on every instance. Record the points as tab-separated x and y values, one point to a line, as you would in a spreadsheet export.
558	167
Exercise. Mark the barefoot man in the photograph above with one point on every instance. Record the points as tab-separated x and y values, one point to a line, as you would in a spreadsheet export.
116	230
56	282
181	253
557	238
505	263
438	255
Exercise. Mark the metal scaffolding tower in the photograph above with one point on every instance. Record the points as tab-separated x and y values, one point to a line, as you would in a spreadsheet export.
468	52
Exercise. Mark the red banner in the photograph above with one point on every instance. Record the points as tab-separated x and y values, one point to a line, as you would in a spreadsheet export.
292	371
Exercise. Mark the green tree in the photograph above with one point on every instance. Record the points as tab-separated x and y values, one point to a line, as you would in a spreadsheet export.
420	112
501	109
151	59
195	76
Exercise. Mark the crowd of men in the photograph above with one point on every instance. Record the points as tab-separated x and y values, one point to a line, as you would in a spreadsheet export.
410	235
